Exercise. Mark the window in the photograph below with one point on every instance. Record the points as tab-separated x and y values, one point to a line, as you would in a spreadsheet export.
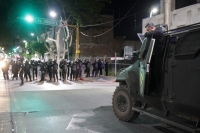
189	46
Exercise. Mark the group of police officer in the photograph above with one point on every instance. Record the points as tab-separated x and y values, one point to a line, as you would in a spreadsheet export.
71	70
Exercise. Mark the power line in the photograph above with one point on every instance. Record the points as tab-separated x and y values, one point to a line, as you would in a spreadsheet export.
114	25
83	26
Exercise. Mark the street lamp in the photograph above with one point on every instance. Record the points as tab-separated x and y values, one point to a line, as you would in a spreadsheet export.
52	14
32	34
29	18
24	41
153	11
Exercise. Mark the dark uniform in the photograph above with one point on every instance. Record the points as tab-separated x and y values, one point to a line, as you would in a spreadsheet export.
157	56
43	71
55	71
50	70
61	67
21	66
73	71
64	70
68	69
27	71
88	68
80	68
106	67
99	67
15	68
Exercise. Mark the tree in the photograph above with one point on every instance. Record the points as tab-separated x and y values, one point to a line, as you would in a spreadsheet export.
75	12
33	48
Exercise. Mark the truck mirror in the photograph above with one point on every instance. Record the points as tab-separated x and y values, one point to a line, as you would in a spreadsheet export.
173	39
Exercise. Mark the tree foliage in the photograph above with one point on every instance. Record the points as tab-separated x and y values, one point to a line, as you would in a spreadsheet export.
36	48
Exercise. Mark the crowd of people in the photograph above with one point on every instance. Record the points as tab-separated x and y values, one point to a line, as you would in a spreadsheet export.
65	70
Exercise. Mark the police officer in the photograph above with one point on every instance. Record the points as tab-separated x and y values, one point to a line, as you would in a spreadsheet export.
15	68
43	71
64	70
50	70
80	68
68	68
71	70
27	71
76	69
55	71
88	68
61	67
33	68
106	67
21	72
99	67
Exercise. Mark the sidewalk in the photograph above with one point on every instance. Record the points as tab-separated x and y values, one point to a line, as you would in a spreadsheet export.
100	79
5	118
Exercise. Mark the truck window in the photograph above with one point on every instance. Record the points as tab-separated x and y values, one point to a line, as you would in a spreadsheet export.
189	46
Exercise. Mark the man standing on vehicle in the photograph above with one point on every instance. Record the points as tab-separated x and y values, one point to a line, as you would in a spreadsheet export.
158	52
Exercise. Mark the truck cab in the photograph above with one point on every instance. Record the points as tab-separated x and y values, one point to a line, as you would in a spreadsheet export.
178	91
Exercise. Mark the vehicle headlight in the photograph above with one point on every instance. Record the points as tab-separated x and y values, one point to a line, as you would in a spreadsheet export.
2	64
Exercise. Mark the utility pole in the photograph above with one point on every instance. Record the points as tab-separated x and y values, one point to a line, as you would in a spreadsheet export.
77	54
167	12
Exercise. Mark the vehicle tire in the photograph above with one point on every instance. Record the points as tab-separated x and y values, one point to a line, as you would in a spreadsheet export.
123	103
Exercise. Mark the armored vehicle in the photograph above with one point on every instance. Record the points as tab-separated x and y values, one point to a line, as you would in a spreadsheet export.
178	93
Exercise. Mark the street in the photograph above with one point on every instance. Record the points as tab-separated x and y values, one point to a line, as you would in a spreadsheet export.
71	107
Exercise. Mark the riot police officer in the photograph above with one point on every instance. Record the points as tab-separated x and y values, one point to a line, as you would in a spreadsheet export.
50	70
21	72
55	71
88	68
61	67
64	70
15	68
27	71
43	71
80	68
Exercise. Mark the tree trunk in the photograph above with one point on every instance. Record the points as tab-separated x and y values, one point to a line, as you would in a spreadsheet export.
58	45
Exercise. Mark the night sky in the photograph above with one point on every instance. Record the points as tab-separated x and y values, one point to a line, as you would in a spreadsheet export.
129	26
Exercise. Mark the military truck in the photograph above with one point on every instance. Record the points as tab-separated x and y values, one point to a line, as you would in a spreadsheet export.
178	93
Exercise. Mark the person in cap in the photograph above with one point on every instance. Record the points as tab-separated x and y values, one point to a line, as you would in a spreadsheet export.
158	52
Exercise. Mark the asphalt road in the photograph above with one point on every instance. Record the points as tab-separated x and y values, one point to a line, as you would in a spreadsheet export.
70	107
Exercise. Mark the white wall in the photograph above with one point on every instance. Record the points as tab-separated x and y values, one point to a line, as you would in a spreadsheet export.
180	17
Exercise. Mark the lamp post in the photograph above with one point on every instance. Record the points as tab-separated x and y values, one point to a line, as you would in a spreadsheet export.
29	18
153	11
32	34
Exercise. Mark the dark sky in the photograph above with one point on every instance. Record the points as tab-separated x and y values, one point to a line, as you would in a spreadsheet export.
132	25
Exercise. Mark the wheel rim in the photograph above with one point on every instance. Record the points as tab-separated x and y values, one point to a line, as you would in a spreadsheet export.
122	103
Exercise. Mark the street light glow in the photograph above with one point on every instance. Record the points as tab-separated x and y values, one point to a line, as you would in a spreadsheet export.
29	18
52	14
153	11
24	41
32	34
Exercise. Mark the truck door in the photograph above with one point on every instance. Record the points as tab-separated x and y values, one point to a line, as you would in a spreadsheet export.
186	70
145	55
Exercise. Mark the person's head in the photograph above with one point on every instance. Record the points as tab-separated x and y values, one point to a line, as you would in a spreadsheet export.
150	27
